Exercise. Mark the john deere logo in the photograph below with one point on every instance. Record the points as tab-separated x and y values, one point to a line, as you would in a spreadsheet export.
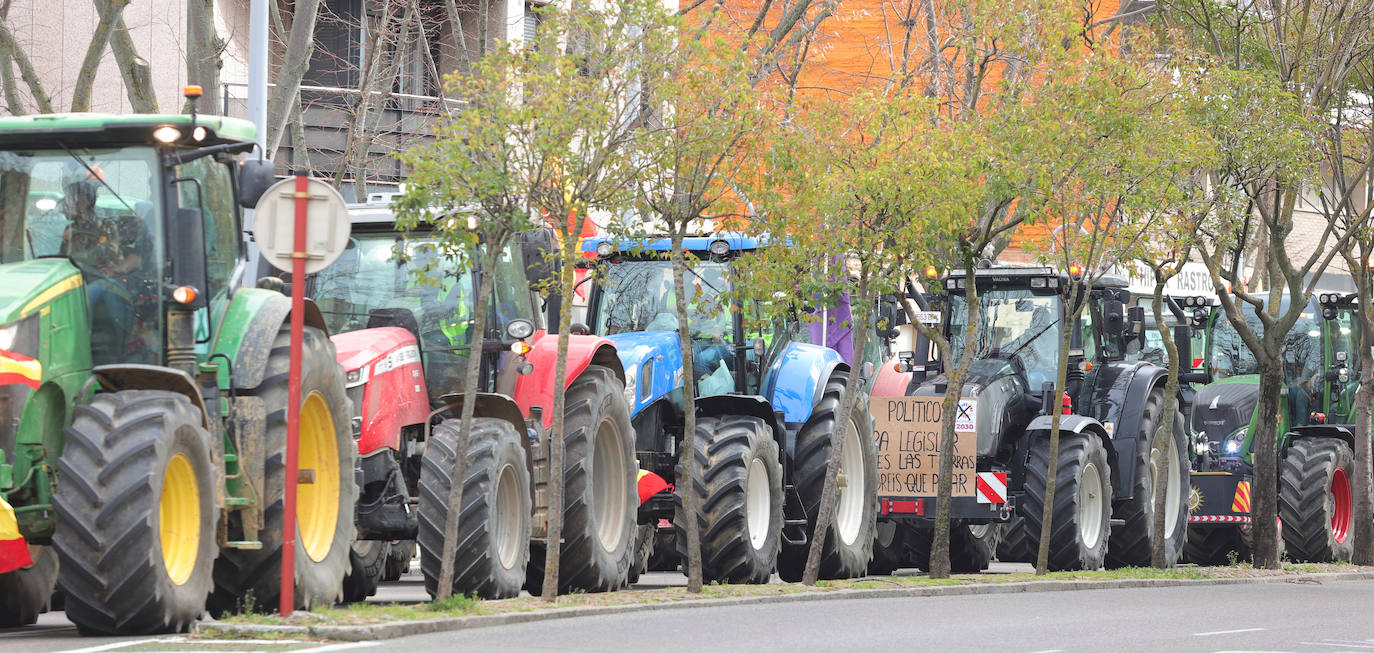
1194	499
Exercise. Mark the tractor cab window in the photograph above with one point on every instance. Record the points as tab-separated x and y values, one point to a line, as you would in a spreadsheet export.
211	195
510	291
1342	335
98	209
639	296
1303	373
1230	356
383	278
1012	323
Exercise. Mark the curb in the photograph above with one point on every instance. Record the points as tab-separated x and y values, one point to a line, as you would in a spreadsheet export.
396	629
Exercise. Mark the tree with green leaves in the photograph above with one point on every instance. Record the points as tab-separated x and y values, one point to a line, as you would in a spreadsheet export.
1293	68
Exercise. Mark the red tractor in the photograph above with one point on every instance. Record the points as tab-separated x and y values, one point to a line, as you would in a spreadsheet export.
402	310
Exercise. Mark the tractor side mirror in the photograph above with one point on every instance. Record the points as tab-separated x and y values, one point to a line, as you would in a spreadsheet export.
1113	317
255	177
579	329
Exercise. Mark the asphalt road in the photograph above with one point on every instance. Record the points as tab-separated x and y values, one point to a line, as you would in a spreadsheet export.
1287	617
1276	617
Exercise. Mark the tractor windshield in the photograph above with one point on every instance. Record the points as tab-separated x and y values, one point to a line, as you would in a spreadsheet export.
387	273
1011	322
91	205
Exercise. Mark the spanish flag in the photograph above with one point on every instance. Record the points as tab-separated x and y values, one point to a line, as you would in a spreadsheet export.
18	368
650	484
14	551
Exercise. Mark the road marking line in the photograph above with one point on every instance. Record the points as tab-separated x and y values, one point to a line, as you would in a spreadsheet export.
1365	646
1050	650
340	647
40	631
1228	632
108	647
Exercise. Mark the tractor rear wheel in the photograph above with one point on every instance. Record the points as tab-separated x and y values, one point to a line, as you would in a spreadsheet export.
1211	545
664	554
398	558
738	484
890	548
366	566
136	514
494	532
25	593
644	548
1015	545
1131	542
1315	500
1082	501
251	579
849	542
600	499
971	546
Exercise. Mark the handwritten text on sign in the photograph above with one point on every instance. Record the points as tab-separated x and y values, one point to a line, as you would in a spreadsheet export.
908	433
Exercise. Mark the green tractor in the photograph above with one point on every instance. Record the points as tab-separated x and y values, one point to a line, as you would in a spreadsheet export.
1316	436
143	405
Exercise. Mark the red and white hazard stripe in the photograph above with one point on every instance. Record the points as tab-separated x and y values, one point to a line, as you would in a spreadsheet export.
1219	519
992	487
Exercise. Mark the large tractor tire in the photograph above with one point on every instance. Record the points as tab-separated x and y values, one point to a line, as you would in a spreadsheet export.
971	547
1211	545
738	484
1082	523
1315	500
248	579
891	551
366	566
644	549
1015	545
25	592
398	558
600	499
136	514
494	531
849	540
1132	540
664	555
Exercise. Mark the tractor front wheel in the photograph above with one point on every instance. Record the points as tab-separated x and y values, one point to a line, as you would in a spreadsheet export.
136	514
1015	545
849	542
600	501
366	566
1315	495
251	579
398	559
1132	541
891	549
1081	524
25	593
737	479
494	532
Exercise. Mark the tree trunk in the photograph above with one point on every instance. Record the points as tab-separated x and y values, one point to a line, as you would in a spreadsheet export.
203	46
300	149
285	100
944	500
95	50
860	327
686	458
472	381
553	542
1264	506
138	79
1042	557
26	71
1163	432
1363	507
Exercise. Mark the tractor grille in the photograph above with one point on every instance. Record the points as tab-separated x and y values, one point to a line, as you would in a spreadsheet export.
12	398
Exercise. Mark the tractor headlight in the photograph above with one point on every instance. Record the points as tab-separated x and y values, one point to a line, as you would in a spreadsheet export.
21	337
605	248
719	247
1237	439
167	134
631	386
8	334
519	329
355	377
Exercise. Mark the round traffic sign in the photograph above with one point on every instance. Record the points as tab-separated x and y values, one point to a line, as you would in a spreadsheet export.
326	231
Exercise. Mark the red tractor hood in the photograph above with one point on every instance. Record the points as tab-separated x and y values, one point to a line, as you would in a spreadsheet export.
358	348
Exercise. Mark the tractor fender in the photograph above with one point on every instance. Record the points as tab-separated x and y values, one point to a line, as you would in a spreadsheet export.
888	382
131	376
753	406
394	394
1121	404
249	326
1040	428
653	362
796	380
1342	432
536	388
489	404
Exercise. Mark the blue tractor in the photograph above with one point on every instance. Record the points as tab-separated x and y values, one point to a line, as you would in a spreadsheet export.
766	410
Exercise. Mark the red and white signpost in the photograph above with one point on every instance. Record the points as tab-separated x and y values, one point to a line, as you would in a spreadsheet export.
302	222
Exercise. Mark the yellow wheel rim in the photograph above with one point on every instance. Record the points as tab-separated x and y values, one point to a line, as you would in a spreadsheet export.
179	519
317	503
